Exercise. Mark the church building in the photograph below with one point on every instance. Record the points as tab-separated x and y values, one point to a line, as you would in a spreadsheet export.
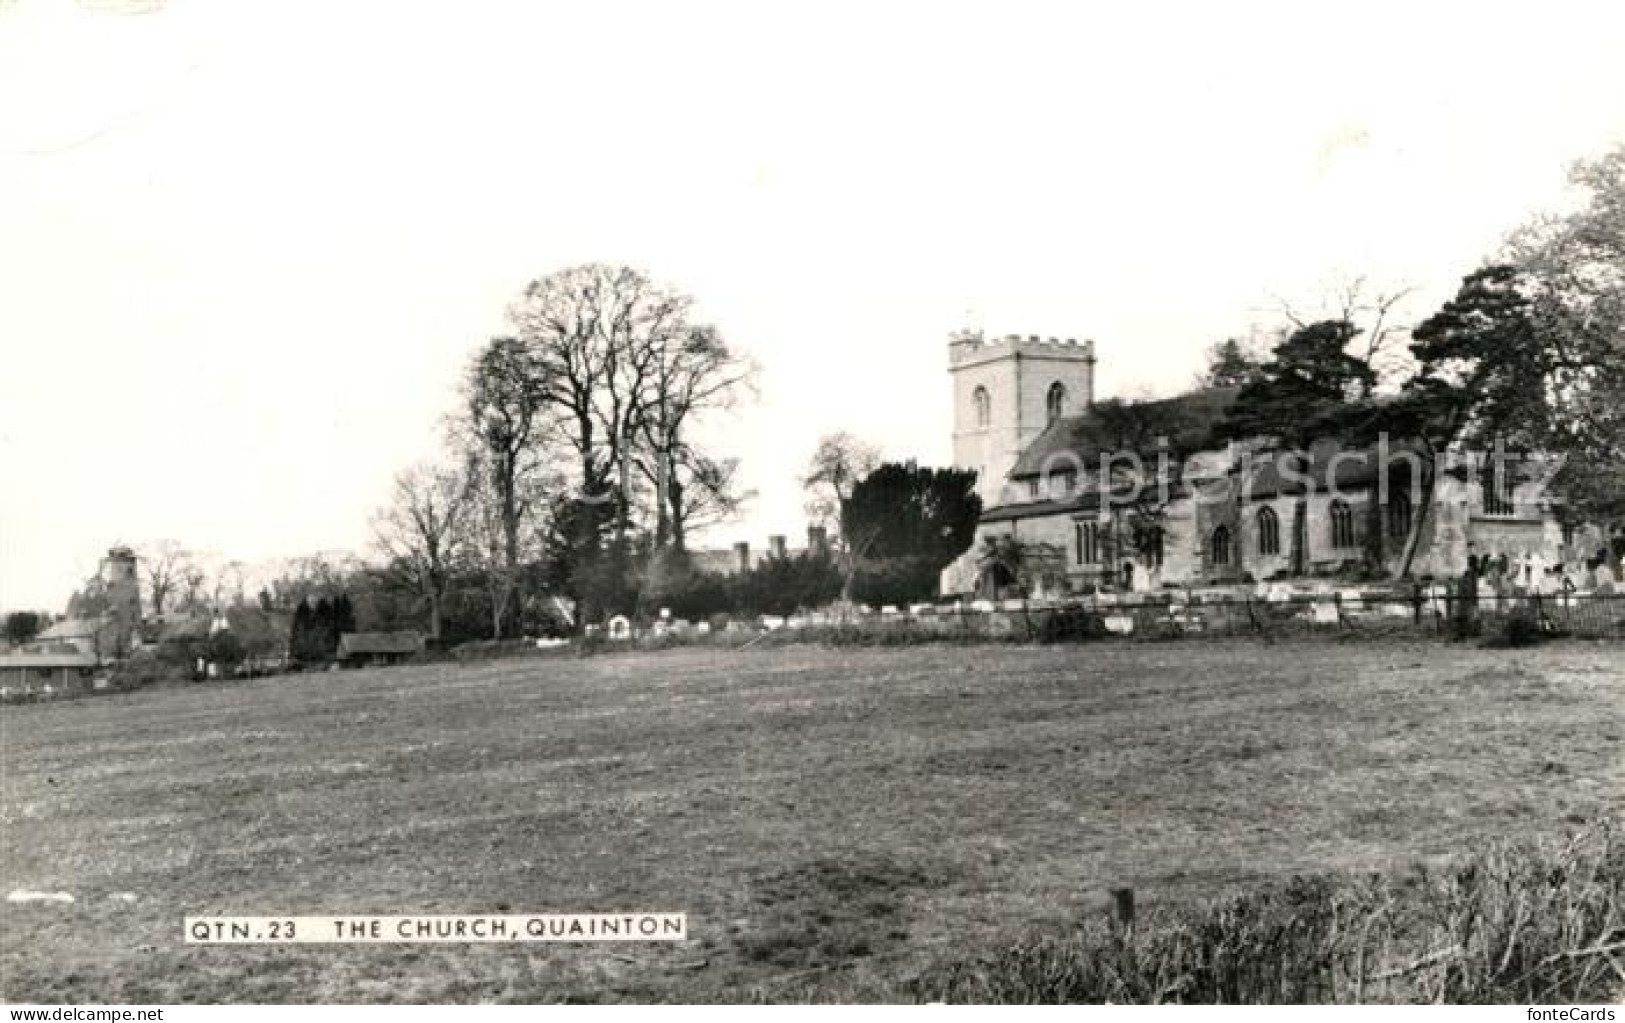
1080	497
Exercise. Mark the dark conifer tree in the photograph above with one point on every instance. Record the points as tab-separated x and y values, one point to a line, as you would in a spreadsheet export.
299	636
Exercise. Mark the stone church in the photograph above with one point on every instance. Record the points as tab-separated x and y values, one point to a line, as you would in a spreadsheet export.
1177	509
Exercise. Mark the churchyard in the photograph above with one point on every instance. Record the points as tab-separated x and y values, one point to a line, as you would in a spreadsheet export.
833	821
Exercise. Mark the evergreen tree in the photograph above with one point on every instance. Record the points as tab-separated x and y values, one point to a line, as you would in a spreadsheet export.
300	645
323	639
1481	365
903	524
1230	364
1300	395
343	617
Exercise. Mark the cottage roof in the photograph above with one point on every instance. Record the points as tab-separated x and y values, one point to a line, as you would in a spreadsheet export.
48	659
74	628
363	643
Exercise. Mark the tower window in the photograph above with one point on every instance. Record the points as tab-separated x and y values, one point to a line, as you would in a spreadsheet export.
1269	532
1055	401
984	406
1219	546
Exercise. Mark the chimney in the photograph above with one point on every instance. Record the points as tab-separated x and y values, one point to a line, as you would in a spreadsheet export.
742	553
817	541
775	546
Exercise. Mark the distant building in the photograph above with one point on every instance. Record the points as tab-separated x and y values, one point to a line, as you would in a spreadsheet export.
97	636
741	557
107	611
41	666
358	649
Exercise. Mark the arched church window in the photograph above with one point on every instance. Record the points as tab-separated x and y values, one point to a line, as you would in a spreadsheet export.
1149	543
1342	517
1088	542
1219	546
984	406
1269	532
1497	487
1399	515
1055	401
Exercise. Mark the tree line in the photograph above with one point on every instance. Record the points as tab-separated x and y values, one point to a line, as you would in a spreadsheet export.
1527	356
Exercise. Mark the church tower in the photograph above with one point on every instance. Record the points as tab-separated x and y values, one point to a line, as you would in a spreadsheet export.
1006	392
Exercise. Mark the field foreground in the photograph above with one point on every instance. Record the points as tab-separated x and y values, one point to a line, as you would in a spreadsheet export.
832	821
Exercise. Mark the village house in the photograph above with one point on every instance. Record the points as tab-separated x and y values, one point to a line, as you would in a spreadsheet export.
1178	509
46	666
741	557
362	649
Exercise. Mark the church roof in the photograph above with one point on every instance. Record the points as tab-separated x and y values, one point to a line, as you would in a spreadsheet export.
1187	421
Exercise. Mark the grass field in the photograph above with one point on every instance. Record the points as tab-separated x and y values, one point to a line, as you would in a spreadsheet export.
831	821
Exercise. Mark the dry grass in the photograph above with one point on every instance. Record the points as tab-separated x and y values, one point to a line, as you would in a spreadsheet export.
834	821
1522	923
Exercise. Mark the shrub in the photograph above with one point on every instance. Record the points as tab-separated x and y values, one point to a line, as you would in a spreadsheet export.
1070	625
1519	628
1513	924
897	581
145	669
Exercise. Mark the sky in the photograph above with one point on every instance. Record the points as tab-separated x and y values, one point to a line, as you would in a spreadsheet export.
245	248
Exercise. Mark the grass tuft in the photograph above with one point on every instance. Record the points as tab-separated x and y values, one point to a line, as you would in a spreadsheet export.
1537	923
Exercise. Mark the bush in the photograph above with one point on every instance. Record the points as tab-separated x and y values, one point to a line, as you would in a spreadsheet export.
145	669
1519	628
1070	625
486	650
1514	924
782	586
897	581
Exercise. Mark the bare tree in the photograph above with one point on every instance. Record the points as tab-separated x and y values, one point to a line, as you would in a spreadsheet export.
421	528
1377	313
837	464
1575	265
839	461
593	337
701	492
691	373
492	547
323	573
165	564
502	435
194	586
229	582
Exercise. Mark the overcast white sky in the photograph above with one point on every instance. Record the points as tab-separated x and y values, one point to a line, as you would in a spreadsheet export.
245	248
